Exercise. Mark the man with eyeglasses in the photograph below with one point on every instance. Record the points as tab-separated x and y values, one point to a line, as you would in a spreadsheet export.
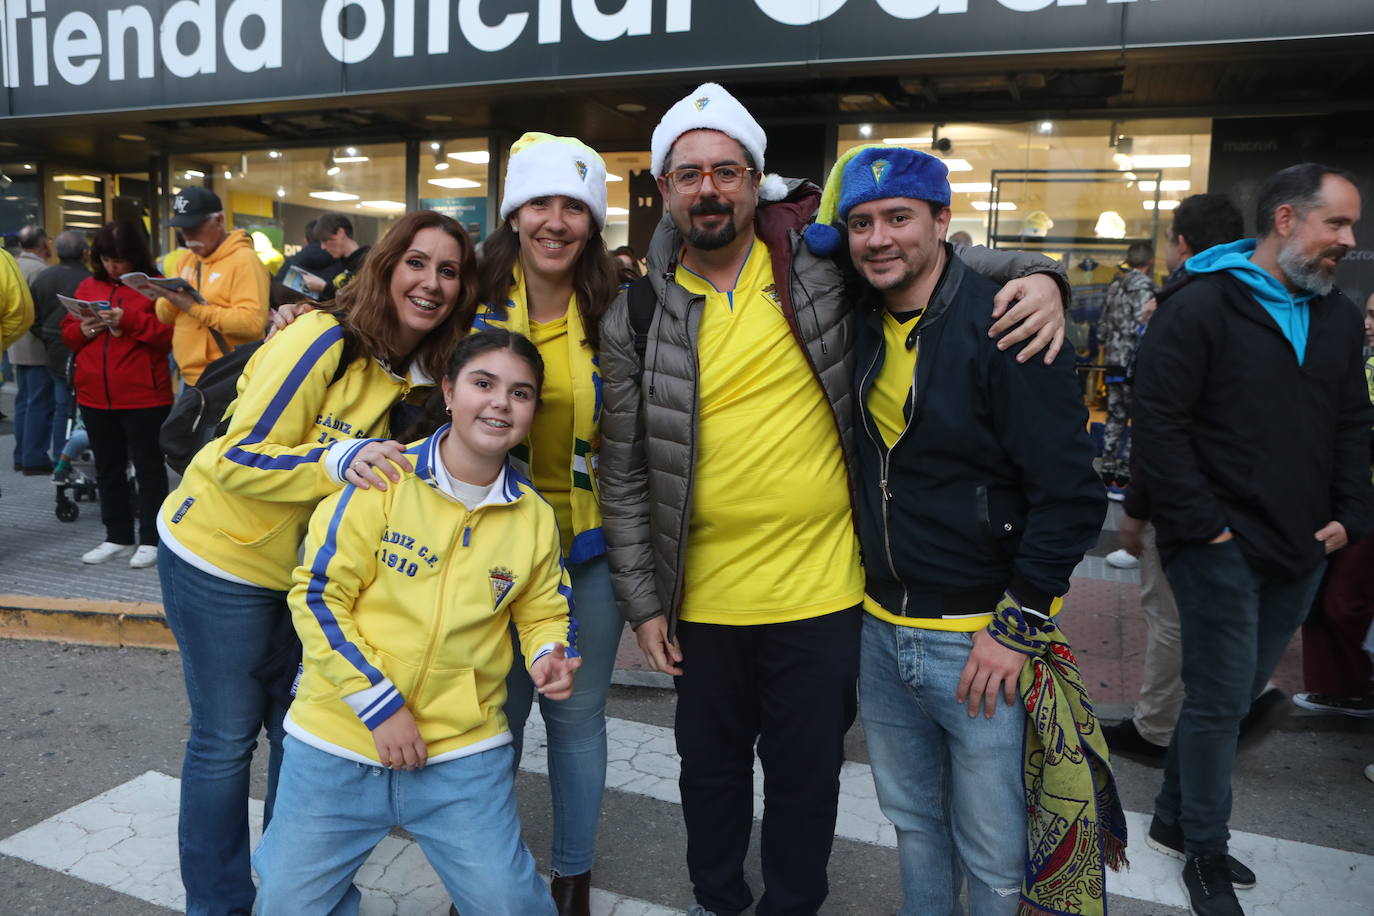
726	437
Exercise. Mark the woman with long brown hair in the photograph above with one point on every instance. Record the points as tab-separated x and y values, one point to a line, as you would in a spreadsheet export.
313	412
545	273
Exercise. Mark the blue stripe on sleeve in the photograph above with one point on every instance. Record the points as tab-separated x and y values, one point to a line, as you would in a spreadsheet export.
239	454
314	596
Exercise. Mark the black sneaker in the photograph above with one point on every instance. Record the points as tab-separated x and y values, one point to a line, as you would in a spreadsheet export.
1266	712
1125	740
1207	883
1359	707
1168	839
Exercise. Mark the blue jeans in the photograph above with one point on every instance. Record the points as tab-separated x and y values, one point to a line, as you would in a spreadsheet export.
1235	623
33	410
576	726
332	812
61	412
223	629
942	775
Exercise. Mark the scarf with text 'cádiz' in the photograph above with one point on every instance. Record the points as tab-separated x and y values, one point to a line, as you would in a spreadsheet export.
1075	827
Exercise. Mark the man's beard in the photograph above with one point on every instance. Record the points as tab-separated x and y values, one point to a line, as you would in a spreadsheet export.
894	280
707	240
1309	273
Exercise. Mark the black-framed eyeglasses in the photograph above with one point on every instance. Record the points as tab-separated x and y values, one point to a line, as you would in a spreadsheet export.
724	177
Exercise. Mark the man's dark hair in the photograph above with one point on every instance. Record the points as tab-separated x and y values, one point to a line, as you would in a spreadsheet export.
310	230
1207	220
31	237
1298	186
330	223
1139	254
69	244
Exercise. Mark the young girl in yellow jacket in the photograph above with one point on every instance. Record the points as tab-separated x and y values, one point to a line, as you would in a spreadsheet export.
545	273
313	412
403	603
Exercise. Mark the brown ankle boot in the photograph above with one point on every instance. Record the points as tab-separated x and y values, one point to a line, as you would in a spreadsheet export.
572	894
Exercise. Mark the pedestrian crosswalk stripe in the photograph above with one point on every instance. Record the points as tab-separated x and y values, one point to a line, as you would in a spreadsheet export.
126	839
1295	879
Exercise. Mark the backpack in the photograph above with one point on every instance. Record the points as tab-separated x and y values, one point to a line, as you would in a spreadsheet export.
197	416
641	301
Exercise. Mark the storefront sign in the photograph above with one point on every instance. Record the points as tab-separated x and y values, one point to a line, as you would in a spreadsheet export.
64	56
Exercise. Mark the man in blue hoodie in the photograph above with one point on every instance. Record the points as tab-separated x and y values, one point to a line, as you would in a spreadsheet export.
1252	418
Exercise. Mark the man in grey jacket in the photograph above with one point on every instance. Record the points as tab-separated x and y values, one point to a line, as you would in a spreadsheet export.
725	493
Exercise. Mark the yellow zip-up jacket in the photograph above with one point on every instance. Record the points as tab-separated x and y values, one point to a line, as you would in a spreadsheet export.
16	303
405	597
234	285
242	507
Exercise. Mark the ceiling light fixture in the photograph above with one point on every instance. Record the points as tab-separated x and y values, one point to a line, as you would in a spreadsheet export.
86	198
440	118
957	165
133	138
454	183
281	192
865	130
1045	127
1163	204
333	195
274	154
617	211
193	173
610	178
476	157
630	107
394	206
1001	205
971	187
96	213
908	141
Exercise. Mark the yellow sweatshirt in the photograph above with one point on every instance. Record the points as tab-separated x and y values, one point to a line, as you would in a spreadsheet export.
405	597
16	303
234	285
244	503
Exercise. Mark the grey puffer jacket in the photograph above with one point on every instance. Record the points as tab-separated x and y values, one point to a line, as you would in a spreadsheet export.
649	417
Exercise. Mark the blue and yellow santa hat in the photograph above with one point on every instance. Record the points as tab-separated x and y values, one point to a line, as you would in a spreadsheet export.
873	172
542	165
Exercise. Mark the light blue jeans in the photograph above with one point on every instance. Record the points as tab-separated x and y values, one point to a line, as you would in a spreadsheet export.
576	726
224	631
332	812
949	783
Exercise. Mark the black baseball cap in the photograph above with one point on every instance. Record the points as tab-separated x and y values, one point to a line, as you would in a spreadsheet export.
192	206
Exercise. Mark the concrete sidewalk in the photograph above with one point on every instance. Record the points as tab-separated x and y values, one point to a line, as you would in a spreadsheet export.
46	592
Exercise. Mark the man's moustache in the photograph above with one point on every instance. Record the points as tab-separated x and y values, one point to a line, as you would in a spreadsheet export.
710	208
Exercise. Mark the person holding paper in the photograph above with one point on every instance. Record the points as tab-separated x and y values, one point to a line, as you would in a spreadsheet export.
124	388
232	281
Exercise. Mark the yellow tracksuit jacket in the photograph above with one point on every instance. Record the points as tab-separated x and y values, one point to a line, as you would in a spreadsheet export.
405	597
242	507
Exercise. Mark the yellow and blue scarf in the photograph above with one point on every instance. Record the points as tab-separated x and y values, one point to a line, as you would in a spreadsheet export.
588	540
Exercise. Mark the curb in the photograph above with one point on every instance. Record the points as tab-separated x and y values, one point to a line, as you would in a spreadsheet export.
84	621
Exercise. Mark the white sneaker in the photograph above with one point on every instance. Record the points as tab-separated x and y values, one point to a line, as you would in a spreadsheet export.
1122	560
107	551
144	556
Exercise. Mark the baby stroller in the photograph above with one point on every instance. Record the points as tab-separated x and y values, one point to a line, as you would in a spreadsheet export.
75	483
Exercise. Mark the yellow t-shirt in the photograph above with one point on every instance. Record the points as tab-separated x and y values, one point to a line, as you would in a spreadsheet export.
551	435
892	388
771	537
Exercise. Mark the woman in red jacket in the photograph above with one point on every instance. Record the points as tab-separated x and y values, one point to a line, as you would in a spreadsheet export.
124	388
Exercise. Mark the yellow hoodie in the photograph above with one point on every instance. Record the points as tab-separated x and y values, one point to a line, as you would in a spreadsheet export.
234	284
405	597
16	304
242	507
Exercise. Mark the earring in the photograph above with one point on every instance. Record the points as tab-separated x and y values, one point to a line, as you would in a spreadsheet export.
448	409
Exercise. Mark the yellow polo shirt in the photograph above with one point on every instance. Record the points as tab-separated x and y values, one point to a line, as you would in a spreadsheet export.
553	423
771	537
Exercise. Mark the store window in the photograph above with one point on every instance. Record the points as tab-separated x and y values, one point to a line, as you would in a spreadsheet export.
276	192
74	199
1111	202
453	181
19	196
